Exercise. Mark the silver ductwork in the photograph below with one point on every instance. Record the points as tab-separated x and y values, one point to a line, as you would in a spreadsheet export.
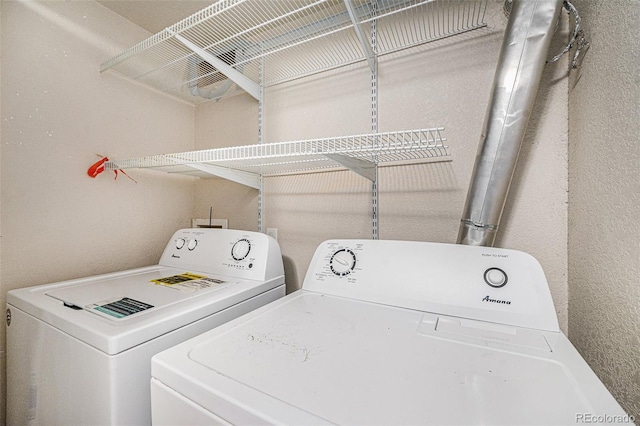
524	51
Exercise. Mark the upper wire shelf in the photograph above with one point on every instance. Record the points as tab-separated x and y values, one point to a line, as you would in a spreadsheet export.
244	164
271	42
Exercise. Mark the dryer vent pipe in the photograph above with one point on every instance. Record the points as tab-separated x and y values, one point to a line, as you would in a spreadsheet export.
522	59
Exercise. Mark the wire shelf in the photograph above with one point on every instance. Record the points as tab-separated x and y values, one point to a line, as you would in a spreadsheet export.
352	152
294	38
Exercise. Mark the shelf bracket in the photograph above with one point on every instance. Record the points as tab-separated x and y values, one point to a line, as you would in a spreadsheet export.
232	74
362	167
245	178
366	46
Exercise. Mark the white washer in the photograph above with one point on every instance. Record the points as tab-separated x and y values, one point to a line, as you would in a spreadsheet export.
387	332
78	352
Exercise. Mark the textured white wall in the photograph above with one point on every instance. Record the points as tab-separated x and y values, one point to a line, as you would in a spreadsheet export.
229	122
441	84
604	201
57	112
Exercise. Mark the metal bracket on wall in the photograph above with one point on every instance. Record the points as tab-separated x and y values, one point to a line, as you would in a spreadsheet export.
261	218
359	166
374	120
357	27
238	176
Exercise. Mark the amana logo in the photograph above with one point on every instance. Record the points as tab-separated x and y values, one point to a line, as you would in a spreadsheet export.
488	299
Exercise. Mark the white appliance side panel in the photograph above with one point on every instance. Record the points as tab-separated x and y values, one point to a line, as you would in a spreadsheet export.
169	408
352	362
53	378
44	379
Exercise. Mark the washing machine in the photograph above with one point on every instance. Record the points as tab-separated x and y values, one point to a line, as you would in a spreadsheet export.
390	333
79	352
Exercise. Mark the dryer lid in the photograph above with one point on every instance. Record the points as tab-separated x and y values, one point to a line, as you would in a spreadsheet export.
352	362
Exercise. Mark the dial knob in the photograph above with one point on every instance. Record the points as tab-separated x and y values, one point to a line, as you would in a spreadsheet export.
342	262
241	249
192	244
180	243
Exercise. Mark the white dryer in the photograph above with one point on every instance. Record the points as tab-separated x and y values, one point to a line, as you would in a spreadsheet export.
389	333
79	352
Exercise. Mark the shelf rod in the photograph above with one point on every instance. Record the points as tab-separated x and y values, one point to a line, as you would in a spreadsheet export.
237	77
366	46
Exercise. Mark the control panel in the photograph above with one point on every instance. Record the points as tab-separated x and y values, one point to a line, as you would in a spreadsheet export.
228	252
482	283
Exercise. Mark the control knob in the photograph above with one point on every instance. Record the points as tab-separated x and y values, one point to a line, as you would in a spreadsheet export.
342	262
241	249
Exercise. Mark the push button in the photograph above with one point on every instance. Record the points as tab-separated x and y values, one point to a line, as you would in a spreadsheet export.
495	277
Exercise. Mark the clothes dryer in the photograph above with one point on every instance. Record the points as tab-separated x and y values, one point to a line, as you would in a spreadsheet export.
390	333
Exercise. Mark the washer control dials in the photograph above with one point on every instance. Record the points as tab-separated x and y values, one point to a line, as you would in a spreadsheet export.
241	249
495	277
342	262
192	244
180	243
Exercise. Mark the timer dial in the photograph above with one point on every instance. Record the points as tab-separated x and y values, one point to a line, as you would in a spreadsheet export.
241	249
180	243
342	262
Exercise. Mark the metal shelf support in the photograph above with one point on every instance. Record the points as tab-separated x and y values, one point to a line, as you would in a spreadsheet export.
245	178
364	168
366	46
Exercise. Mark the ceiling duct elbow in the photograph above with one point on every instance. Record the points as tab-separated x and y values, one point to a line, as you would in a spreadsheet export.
524	52
205	80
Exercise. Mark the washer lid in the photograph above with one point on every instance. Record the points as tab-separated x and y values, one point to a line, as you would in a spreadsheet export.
114	312
311	358
117	298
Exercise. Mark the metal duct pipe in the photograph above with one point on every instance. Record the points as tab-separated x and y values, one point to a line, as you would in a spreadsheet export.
524	51
195	90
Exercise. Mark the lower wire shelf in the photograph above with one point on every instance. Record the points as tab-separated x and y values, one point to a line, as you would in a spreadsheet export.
245	164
